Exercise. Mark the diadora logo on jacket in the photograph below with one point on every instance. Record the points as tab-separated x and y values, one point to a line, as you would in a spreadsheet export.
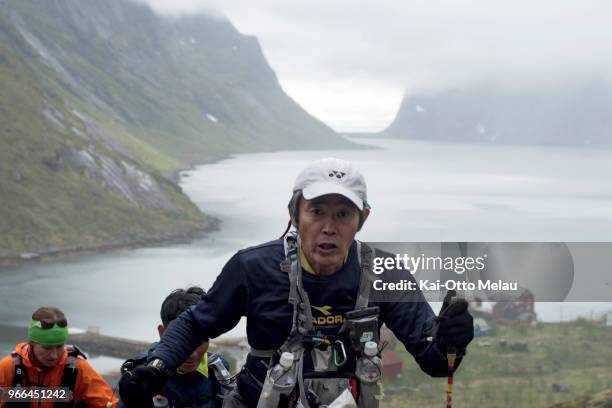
328	317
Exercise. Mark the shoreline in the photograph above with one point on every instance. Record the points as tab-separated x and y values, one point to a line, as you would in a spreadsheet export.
210	224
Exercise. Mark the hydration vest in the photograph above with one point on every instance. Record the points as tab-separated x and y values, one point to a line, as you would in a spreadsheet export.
325	384
69	376
222	382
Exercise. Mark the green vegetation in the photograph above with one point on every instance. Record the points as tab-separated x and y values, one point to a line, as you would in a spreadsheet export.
102	101
563	362
159	78
600	400
45	204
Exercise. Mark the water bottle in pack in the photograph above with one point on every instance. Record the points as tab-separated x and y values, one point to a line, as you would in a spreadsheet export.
279	383
369	372
159	401
223	376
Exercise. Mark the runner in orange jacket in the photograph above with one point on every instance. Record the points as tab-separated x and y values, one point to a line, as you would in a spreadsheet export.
46	361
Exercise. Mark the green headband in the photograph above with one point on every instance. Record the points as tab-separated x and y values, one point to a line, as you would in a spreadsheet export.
47	337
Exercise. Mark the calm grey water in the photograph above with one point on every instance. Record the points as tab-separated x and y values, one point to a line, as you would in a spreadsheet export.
419	191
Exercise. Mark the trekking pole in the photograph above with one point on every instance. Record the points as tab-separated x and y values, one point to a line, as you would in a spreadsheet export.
451	352
451	355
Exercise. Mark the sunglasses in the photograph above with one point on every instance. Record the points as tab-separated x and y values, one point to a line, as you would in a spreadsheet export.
48	324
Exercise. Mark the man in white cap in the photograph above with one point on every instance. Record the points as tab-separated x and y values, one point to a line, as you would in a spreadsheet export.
307	294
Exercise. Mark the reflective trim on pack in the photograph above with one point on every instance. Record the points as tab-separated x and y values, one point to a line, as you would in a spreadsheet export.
261	353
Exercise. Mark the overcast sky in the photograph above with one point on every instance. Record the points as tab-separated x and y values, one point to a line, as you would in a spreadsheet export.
350	62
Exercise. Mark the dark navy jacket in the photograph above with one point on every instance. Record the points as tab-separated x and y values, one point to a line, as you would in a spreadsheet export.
251	284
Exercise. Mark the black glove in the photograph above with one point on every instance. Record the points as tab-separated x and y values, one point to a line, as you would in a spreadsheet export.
455	325
138	387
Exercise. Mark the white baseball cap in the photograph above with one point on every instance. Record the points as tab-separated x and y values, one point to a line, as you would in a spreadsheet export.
332	176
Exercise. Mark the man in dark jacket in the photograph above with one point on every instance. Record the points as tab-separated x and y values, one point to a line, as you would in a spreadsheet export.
328	207
193	385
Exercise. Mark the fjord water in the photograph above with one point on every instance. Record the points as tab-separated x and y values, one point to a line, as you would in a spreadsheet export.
419	191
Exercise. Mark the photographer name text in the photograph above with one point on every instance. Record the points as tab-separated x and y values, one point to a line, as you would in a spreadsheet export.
438	285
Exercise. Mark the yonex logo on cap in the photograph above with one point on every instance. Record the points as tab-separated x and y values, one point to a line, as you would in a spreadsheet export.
337	174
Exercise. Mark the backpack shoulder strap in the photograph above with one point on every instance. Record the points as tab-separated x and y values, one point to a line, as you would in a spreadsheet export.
302	312
69	376
20	378
70	372
365	254
74	350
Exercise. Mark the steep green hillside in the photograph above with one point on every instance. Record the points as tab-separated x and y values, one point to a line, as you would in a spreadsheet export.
194	88
61	186
101	100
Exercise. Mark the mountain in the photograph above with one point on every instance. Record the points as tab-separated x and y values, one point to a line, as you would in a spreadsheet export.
102	100
569	115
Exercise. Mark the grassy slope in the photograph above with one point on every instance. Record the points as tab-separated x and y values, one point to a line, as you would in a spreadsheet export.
576	355
602	399
131	74
44	204
160	77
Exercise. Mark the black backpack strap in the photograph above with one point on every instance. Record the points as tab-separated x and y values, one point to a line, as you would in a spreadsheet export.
70	374
74	350
20	379
69	377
